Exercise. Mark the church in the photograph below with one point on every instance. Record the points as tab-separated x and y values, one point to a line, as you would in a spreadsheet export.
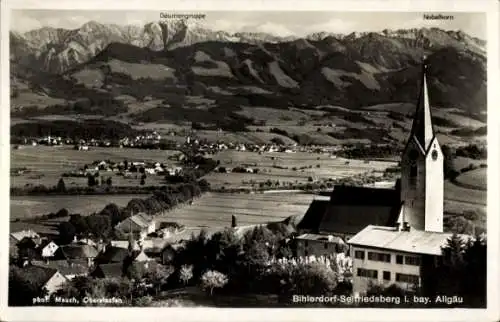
392	233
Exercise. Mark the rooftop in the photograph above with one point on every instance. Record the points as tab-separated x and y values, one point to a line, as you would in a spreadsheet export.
38	275
326	238
19	235
413	241
79	251
66	267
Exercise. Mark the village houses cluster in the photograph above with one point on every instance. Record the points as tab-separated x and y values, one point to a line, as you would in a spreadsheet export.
148	243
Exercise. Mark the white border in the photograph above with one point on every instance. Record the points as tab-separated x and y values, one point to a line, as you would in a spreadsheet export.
197	314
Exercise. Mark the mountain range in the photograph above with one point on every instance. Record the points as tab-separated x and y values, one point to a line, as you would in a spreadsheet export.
175	69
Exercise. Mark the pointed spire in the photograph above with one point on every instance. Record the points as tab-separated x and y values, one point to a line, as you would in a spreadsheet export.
422	128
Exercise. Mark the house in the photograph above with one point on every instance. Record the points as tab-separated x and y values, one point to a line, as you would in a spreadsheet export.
406	251
85	241
47	249
79	252
150	170
44	278
139	225
111	270
319	245
111	254
395	255
26	250
152	246
19	235
68	268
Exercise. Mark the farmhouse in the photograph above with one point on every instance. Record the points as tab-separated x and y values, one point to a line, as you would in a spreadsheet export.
19	235
68	268
44	278
138	225
79	252
48	249
319	245
112	270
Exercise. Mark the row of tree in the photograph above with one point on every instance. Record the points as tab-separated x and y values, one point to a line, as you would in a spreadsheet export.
100	224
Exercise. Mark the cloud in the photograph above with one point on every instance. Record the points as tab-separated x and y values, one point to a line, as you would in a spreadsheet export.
275	29
333	25
230	26
22	23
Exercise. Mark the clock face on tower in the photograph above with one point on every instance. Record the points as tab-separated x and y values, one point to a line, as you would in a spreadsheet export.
434	155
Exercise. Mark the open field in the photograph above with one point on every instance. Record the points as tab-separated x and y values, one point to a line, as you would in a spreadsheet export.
216	209
47	164
23	207
280	166
476	178
212	210
453	192
462	162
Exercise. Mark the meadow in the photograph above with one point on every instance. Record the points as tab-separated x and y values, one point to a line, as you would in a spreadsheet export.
46	164
293	168
216	209
473	179
22	207
212	210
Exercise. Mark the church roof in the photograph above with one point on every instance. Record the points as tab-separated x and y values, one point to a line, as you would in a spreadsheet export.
313	215
354	195
351	209
422	128
413	241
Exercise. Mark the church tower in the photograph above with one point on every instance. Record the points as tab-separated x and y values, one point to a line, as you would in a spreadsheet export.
422	182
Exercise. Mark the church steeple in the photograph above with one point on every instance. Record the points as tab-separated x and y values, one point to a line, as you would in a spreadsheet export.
422	129
422	183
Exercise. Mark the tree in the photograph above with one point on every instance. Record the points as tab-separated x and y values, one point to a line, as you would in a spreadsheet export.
186	273
26	249
67	232
91	181
212	280
80	223
99	225
278	141
448	163
22	290
113	212
315	279
61	186
63	212
158	276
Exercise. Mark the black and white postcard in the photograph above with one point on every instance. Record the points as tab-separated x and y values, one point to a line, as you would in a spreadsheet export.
292	160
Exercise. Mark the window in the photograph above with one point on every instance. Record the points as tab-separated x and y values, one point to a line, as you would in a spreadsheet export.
412	260
306	243
407	278
413	174
387	275
306	253
326	245
370	273
399	259
379	257
359	254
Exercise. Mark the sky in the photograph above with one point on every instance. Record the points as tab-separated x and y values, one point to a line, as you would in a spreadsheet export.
277	23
